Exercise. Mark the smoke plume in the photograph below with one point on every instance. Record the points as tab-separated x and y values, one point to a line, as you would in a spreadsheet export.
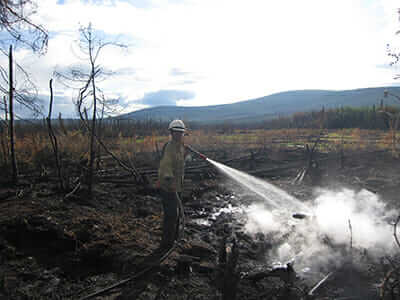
341	222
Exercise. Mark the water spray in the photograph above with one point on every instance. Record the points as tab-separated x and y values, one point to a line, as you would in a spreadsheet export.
275	197
252	185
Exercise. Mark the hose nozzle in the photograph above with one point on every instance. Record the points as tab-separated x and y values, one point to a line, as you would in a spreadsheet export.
202	156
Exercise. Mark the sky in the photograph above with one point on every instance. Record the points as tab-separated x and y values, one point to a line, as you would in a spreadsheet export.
207	52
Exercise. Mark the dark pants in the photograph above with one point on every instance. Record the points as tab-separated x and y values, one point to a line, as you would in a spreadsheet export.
171	204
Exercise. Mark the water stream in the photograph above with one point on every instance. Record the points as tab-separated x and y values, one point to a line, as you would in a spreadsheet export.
341	215
273	197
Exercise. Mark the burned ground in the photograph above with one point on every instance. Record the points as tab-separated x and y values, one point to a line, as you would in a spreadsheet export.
57	248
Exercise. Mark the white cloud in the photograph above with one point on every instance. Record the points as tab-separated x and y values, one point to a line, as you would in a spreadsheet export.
231	50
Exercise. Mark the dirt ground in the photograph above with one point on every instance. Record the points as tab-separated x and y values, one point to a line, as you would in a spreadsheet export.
56	248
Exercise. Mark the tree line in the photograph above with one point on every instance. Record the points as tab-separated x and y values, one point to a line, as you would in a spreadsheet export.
379	117
372	117
375	117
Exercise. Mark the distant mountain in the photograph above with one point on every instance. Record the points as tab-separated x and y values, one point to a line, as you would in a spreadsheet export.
279	104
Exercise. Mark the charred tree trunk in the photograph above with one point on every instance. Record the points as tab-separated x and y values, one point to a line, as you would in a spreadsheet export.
11	125
61	124
92	142
228	278
93	127
4	135
53	138
100	130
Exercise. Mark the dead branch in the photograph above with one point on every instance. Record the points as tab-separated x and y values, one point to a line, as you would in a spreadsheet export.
13	14
133	171
76	188
387	279
311	292
395	231
351	236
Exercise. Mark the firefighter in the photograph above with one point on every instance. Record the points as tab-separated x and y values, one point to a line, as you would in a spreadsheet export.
170	181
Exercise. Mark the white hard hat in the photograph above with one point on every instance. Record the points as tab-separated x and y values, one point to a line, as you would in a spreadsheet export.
177	125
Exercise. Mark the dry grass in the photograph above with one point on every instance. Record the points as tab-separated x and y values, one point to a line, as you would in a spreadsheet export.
36	150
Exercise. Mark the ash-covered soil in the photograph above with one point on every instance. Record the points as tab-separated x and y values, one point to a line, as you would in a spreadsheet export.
56	248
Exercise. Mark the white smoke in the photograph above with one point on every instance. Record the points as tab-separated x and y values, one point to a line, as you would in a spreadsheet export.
364	211
341	220
259	219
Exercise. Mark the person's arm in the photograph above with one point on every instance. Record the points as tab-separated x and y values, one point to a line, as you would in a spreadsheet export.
188	154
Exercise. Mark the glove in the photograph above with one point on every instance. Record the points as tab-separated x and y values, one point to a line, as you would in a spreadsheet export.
172	187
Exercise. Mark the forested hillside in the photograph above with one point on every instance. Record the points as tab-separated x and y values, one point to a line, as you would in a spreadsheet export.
268	107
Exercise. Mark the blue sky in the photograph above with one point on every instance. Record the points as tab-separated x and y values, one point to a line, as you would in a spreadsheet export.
205	52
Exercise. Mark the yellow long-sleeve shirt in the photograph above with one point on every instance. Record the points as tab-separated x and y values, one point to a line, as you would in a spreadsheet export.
172	164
